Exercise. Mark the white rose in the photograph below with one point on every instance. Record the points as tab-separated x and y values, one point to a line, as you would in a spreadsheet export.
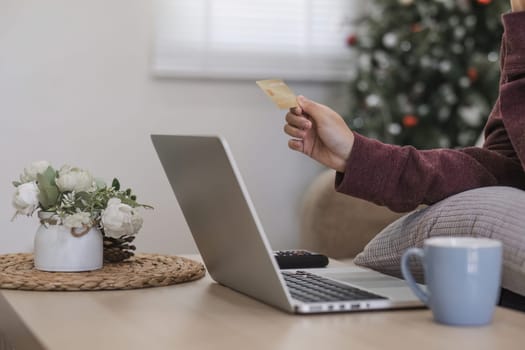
25	199
74	179
33	170
119	219
77	220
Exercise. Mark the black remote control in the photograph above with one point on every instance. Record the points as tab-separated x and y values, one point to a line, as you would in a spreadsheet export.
299	259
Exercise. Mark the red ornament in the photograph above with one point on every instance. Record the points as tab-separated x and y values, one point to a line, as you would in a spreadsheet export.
416	27
409	121
472	74
351	40
484	2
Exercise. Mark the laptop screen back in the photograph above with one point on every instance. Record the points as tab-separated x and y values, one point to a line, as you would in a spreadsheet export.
221	216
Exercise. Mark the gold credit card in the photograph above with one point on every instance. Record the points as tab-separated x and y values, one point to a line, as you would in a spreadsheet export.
278	92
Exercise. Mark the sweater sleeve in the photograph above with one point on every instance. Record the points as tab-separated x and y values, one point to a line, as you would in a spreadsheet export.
401	178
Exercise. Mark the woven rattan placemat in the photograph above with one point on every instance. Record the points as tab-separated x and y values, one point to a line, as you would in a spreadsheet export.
141	271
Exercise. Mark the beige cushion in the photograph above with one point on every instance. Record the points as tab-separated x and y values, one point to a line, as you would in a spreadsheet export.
338	225
495	212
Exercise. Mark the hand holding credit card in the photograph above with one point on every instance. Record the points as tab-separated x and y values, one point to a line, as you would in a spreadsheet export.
279	93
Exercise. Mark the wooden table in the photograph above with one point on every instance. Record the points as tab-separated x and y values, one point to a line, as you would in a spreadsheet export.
205	315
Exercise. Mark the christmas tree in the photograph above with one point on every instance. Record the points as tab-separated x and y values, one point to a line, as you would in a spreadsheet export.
426	71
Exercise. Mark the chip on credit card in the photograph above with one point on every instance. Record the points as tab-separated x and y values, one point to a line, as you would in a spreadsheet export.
279	93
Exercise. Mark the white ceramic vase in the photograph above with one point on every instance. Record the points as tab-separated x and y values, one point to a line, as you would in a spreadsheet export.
57	248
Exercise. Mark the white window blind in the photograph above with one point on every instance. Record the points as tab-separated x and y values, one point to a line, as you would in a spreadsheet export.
291	39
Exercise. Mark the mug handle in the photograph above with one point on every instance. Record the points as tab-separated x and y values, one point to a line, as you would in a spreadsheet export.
405	270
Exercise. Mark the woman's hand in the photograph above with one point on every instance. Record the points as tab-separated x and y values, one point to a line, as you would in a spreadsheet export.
320	133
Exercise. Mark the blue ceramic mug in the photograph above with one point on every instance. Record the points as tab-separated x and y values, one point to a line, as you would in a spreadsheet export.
463	277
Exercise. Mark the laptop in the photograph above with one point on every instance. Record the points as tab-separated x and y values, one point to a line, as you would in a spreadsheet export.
235	250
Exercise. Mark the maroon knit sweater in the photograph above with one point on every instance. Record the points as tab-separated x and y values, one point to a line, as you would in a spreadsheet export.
401	178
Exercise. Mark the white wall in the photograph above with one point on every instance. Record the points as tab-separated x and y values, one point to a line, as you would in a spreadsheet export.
75	87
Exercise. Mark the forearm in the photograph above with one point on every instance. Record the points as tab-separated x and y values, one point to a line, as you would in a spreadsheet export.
513	46
517	5
512	90
401	178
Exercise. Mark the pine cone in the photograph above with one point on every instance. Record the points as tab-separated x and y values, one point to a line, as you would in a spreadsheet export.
118	249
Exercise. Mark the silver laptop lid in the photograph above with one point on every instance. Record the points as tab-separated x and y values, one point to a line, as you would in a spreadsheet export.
221	216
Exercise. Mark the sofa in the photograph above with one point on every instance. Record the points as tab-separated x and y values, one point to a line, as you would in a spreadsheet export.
343	227
338	225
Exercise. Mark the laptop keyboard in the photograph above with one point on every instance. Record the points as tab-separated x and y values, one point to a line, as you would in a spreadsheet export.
312	288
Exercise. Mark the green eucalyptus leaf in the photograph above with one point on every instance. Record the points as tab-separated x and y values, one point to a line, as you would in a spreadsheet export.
48	176
115	184
47	197
48	189
16	183
129	202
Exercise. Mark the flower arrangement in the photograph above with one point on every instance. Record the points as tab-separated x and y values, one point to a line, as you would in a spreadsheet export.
72	197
